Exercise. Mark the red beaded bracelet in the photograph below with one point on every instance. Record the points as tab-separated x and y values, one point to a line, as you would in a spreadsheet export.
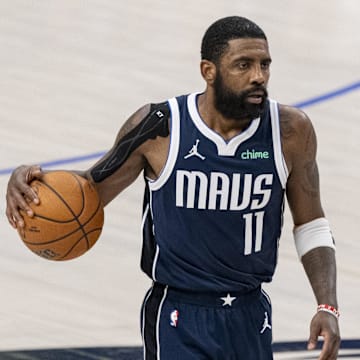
330	309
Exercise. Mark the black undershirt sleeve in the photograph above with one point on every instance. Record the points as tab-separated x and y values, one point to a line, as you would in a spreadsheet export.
153	125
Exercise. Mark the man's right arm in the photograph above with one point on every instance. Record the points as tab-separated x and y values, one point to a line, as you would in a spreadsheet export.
115	171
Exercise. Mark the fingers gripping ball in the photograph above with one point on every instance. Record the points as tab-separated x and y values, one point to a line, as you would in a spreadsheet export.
69	219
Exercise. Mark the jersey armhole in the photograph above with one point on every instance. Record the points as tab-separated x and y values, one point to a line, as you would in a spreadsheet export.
173	147
280	163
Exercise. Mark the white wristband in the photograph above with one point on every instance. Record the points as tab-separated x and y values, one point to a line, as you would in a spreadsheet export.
315	233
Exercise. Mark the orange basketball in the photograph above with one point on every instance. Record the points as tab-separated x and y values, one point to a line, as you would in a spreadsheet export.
69	219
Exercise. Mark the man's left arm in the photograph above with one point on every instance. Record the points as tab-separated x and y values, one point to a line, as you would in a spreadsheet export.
312	233
320	266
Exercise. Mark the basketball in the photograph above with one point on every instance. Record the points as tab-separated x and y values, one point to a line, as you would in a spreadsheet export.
69	219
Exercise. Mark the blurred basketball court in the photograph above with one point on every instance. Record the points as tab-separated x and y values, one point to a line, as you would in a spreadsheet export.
73	71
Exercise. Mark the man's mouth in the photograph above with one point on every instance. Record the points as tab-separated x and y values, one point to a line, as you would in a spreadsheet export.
256	97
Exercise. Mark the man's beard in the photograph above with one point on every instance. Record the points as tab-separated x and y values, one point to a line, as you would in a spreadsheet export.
235	105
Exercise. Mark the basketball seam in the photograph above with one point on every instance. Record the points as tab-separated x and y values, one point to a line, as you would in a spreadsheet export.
77	241
66	235
84	233
76	217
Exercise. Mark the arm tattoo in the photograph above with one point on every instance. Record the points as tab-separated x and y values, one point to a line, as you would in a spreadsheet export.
311	184
320	267
153	125
287	129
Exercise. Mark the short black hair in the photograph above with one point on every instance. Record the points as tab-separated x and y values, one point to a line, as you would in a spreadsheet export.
216	37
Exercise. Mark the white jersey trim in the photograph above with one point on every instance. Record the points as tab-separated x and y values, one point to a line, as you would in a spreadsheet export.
158	323
278	153
153	272
157	251
225	148
145	214
173	147
143	322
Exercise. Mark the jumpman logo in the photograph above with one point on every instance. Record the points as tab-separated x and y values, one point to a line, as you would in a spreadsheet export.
266	324
194	151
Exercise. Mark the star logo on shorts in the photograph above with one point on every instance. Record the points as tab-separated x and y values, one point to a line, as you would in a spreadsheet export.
228	300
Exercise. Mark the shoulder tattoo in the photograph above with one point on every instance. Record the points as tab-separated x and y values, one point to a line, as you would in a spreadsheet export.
287	128
311	172
153	125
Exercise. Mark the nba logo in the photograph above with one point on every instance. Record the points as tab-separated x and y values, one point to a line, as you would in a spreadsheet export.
174	316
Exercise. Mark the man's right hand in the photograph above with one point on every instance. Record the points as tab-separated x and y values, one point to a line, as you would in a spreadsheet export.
19	194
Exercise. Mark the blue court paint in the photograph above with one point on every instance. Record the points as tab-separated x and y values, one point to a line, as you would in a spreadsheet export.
328	96
302	104
72	160
352	347
286	346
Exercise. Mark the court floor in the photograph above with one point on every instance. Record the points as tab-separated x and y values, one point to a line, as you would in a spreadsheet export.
73	70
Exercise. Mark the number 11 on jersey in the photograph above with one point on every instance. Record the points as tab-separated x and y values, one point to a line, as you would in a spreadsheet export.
249	236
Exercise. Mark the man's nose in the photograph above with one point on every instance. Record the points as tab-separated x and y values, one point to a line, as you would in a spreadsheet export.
257	75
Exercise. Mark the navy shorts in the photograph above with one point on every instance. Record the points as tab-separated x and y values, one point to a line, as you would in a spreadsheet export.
178	325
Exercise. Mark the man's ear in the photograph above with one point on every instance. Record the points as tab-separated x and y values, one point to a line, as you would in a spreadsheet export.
208	71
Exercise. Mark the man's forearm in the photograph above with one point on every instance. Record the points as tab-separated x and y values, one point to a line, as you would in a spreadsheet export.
320	267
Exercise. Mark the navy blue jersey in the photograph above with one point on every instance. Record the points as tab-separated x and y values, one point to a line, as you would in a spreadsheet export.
213	218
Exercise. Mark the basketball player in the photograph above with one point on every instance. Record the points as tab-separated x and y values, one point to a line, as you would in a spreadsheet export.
217	165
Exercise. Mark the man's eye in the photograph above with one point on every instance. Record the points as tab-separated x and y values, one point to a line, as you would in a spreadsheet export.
243	65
